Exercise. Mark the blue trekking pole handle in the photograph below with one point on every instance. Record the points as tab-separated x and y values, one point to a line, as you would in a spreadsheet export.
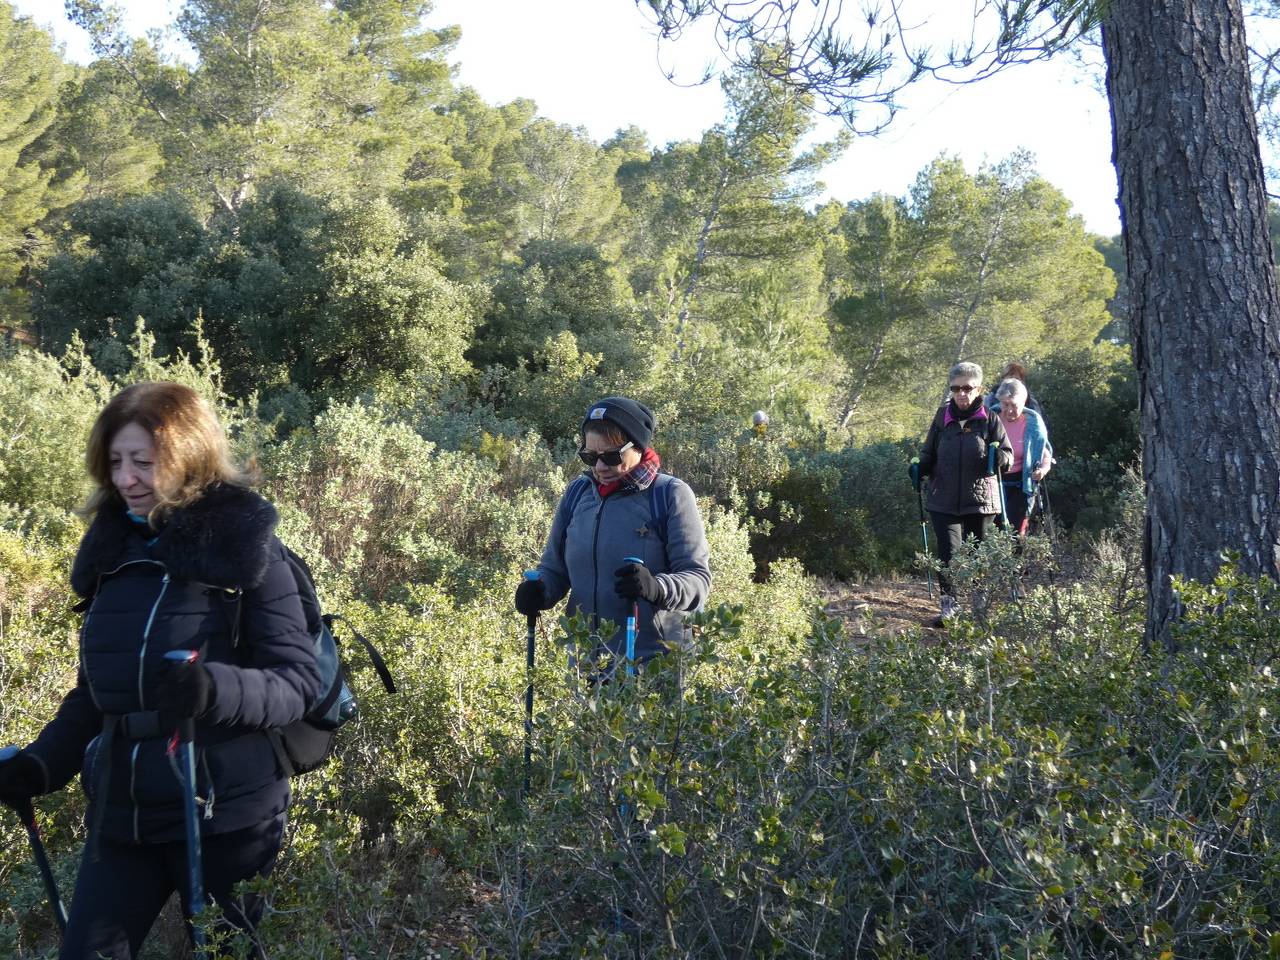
27	814
182	743
633	622
994	468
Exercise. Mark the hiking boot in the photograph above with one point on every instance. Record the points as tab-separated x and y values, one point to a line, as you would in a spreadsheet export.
949	611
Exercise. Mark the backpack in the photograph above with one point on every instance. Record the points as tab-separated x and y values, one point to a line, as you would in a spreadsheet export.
308	743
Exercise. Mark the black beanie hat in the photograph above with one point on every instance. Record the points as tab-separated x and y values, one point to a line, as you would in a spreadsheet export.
631	416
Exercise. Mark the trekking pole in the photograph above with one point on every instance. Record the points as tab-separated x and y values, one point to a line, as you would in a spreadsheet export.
924	524
620	917
27	814
183	741
1032	502
632	625
1046	511
993	466
530	641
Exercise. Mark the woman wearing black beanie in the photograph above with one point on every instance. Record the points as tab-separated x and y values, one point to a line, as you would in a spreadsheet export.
622	506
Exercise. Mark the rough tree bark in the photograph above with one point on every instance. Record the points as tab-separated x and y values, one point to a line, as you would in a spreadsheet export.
1204	308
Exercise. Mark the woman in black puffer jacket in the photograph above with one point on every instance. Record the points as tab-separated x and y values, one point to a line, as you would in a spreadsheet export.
964	489
180	555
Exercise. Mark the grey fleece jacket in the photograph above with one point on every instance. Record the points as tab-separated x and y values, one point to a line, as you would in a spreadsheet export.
584	549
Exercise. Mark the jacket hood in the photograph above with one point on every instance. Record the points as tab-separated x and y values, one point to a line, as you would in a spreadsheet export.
223	539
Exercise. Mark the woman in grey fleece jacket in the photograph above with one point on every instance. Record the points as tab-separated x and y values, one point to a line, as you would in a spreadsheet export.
623	507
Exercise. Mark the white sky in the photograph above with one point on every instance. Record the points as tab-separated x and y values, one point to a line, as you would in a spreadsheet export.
592	63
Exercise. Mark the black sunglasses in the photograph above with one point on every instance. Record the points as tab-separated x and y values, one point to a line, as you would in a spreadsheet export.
956	388
610	458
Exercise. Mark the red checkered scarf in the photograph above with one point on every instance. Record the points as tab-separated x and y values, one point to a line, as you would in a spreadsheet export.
638	478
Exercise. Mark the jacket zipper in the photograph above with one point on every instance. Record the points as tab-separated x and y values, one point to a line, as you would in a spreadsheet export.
84	627
146	636
133	796
959	492
142	660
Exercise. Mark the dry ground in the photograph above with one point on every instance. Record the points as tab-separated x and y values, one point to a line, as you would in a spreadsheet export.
895	605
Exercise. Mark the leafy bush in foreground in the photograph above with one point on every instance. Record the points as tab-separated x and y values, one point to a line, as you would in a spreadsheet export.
1036	791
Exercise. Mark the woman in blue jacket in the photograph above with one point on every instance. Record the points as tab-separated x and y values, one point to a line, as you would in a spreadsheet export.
623	506
1032	451
180	555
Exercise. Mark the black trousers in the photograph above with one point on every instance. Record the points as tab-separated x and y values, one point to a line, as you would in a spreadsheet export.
950	530
119	895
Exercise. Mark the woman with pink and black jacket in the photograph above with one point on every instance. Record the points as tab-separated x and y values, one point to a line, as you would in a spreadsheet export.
623	506
964	490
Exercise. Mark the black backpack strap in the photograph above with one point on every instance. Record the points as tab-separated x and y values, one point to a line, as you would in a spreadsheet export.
282	757
306	584
375	657
98	803
276	740
660	504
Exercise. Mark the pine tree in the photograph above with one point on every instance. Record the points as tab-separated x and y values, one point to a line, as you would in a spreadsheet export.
31	70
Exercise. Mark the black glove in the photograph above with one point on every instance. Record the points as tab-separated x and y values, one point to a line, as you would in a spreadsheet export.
913	471
21	778
529	597
635	582
186	691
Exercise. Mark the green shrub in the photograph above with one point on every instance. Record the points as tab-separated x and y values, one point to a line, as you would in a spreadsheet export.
1090	399
48	405
1047	788
724	459
45	415
37	667
377	507
843	514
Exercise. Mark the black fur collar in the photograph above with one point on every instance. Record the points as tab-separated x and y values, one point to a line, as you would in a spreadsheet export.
223	539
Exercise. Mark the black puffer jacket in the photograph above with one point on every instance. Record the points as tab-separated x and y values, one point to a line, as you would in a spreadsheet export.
152	593
954	457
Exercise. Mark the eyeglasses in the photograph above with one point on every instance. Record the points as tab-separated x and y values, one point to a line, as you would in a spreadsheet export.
610	458
959	388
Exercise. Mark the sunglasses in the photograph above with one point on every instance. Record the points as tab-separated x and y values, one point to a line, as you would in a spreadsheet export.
957	388
610	458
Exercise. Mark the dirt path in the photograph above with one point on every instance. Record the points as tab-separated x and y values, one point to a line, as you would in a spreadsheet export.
896	605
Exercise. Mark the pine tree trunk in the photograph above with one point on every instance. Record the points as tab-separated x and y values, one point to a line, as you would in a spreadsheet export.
1203	300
